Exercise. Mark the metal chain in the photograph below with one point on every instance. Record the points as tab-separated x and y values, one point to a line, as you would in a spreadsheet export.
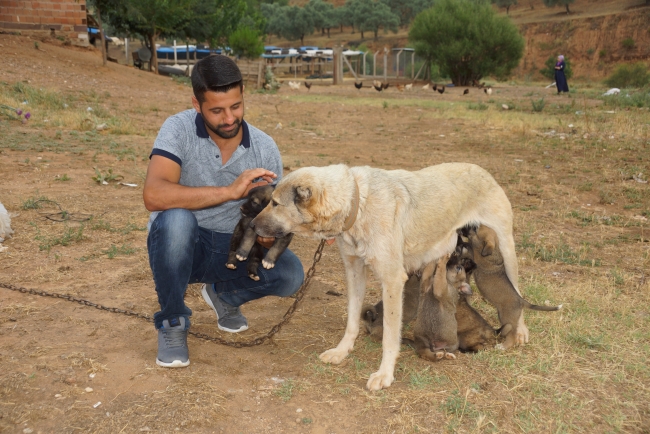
237	344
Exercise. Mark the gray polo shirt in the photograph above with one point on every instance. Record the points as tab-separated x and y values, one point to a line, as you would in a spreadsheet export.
184	139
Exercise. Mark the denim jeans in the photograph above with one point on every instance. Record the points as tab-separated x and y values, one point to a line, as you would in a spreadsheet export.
181	252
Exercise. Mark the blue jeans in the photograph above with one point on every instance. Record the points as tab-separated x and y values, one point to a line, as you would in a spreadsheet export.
181	252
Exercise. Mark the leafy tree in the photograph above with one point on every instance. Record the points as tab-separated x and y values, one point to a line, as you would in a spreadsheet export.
553	3
300	23
505	4
380	15
549	68
324	15
467	40
406	10
276	19
246	42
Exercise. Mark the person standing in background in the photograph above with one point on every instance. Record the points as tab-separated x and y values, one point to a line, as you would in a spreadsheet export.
560	78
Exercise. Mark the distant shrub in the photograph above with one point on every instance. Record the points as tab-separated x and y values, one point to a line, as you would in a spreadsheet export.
538	105
629	75
549	68
602	53
628	43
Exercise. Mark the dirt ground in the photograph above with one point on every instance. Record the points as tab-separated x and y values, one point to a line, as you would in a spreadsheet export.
575	174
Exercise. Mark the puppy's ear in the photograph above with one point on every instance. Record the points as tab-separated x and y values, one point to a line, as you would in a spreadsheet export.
465	289
488	248
302	194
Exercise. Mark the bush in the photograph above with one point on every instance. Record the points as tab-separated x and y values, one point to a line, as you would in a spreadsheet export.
627	75
549	68
538	105
628	43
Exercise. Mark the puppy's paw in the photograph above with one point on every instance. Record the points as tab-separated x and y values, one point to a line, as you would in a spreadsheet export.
231	266
255	277
379	380
334	356
450	356
440	354
521	336
268	264
241	257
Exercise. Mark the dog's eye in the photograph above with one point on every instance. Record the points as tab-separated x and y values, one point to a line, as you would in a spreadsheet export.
274	203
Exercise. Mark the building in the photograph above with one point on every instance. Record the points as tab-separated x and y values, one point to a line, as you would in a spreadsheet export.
54	18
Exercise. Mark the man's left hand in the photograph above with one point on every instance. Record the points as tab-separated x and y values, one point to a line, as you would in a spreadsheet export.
266	241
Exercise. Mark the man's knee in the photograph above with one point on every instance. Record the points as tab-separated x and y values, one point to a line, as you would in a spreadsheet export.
291	276
173	229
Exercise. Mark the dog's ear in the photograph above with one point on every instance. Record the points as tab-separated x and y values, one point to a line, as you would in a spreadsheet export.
302	194
465	289
488	248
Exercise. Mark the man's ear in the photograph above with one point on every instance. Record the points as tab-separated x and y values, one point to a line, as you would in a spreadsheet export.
303	194
196	104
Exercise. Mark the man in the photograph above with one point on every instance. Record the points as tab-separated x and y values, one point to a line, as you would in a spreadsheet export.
203	164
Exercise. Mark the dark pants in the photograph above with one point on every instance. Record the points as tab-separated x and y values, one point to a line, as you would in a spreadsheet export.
181	252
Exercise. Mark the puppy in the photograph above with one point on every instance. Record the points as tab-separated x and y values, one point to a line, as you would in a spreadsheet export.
435	331
243	243
5	224
494	284
373	316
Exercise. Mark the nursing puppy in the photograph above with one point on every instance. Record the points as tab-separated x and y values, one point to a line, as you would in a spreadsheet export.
243	243
495	285
435	332
393	222
373	316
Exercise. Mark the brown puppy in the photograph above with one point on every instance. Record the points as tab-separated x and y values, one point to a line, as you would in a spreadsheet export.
243	243
373	316
492	280
435	331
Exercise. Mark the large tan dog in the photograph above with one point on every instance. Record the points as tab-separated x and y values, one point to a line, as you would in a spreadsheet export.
393	222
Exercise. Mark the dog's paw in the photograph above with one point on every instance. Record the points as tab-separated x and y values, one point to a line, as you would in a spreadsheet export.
231	266
450	356
379	380
268	264
500	347
241	257
440	354
334	356
255	277
521	336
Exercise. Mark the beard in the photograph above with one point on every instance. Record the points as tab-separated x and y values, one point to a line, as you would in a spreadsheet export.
219	129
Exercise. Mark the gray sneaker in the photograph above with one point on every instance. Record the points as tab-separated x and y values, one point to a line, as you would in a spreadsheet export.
172	344
229	318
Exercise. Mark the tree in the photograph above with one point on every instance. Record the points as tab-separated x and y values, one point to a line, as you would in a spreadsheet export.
406	10
324	15
553	3
300	23
467	40
549	68
505	4
246	42
378	15
276	19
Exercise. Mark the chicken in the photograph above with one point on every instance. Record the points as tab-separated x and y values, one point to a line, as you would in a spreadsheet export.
409	86
426	86
376	83
294	85
441	90
385	85
377	88
488	90
466	91
307	85
358	85
400	87
435	87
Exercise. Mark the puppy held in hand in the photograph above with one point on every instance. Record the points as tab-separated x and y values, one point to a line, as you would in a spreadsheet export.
243	243
494	285
373	316
435	331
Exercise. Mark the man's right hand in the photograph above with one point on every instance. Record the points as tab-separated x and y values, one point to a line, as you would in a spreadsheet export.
244	182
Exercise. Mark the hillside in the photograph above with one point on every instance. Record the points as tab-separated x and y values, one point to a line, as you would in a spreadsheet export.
591	36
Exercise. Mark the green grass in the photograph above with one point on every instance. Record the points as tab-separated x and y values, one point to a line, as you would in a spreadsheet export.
69	236
285	391
115	251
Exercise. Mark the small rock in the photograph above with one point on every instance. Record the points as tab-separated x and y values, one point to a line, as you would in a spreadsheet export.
70	380
547	167
245	409
298	420
570	125
28	431
97	404
101	127
92	375
58	395
299	410
145	429
88	389
505	106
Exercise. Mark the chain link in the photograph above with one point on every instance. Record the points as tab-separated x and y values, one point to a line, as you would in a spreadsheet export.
237	344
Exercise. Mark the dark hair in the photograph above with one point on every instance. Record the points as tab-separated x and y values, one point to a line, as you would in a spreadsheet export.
215	73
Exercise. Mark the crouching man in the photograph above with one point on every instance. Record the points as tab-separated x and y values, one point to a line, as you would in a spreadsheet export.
203	164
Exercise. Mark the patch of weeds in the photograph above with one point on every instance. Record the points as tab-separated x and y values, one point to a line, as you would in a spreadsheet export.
181	79
456	406
590	342
69	236
617	277
62	178
420	380
478	106
384	104
528	208
285	392
562	252
538	105
585	219
587	186
306	420
114	251
105	178
33	202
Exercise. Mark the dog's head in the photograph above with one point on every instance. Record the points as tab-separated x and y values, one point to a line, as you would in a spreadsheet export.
311	201
484	240
258	199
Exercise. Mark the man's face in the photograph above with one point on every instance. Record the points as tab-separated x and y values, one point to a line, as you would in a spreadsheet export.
222	112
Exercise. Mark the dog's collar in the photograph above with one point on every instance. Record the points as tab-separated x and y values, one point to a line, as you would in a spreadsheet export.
352	217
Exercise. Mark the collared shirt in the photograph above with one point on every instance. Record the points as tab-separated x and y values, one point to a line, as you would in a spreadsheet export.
184	139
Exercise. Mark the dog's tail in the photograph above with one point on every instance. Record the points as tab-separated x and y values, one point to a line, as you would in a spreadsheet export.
542	308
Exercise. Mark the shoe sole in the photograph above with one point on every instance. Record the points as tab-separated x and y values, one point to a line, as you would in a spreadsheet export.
206	297
174	364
